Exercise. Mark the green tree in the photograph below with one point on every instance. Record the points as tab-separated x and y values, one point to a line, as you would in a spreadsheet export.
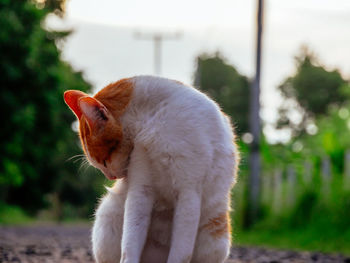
226	86
36	135
310	91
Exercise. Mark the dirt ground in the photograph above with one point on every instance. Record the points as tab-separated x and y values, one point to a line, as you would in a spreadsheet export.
68	244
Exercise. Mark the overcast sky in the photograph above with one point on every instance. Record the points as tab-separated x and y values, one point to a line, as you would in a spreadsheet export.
195	13
104	46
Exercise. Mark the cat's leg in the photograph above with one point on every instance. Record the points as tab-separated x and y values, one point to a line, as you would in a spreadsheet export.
138	206
214	231
185	226
107	229
187	171
213	240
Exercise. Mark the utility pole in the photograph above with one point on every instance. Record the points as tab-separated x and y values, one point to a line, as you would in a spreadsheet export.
157	38
255	126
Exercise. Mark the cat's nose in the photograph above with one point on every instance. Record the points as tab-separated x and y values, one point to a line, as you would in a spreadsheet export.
109	176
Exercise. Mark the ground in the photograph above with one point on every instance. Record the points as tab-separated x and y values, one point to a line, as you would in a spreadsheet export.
66	244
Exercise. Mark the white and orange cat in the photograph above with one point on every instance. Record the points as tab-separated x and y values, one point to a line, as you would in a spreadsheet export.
172	153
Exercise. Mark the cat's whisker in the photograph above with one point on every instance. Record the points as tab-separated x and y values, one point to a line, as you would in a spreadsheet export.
82	158
84	161
84	164
78	156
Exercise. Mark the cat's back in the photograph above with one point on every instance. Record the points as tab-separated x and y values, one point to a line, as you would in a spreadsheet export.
173	111
173	101
156	90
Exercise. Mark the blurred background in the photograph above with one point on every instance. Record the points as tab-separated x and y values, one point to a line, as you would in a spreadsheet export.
49	46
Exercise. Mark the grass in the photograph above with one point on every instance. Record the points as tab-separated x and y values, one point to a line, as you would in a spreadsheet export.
317	221
300	240
13	215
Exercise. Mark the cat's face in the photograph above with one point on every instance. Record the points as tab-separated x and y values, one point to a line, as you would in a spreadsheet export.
101	134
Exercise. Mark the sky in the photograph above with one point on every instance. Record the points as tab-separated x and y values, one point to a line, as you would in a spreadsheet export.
104	47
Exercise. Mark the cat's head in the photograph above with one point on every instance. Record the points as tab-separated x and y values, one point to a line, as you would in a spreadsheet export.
101	134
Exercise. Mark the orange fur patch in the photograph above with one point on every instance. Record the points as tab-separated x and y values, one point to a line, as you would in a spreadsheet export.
218	226
115	97
100	147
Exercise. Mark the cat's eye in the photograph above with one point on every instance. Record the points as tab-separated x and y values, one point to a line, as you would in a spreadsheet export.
115	145
104	163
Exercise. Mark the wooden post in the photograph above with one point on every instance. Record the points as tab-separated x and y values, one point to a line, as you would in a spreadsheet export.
291	186
277	191
326	175
255	166
267	189
307	177
347	170
326	168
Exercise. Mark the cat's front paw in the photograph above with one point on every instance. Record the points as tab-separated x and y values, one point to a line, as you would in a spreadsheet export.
126	258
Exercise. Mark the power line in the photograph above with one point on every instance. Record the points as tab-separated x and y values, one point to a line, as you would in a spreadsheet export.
157	39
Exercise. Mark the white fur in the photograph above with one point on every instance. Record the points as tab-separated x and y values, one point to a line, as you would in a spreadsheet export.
183	164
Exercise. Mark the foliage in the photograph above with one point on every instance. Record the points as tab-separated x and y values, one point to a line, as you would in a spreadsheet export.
296	239
10	214
36	135
226	86
310	91
311	213
316	222
304	208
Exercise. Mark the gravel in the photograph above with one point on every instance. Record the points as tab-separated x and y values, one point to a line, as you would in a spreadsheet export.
62	243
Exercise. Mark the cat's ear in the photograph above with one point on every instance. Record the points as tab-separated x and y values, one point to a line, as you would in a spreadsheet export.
94	111
71	98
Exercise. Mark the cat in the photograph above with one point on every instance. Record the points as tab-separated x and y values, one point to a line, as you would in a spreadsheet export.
172	153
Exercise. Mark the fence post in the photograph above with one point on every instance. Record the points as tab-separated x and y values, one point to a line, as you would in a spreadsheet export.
347	170
326	175
277	191
307	178
291	183
267	188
